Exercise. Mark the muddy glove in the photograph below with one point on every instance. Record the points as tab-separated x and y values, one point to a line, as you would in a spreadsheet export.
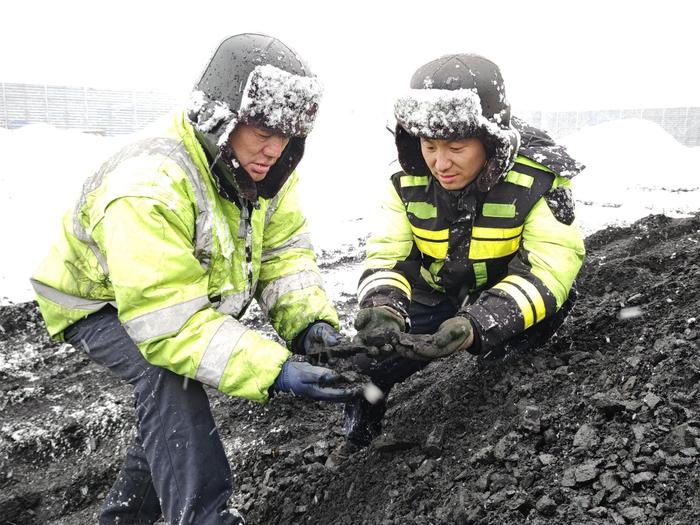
314	382
319	334
378	320
453	335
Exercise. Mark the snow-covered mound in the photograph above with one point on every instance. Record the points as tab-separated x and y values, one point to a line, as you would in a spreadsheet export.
633	168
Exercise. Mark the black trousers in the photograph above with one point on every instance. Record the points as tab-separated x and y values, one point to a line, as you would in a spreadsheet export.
176	466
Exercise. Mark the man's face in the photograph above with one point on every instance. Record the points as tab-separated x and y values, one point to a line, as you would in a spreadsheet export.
454	163
256	149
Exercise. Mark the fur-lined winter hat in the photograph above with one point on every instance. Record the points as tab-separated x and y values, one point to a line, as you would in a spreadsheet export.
456	97
254	79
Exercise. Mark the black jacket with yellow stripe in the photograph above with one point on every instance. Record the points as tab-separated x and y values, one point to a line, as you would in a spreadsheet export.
507	257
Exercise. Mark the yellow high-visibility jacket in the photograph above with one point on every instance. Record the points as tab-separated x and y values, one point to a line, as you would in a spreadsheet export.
507	258
152	236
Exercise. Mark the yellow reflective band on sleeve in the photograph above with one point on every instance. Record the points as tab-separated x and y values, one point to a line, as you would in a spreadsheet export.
493	249
521	179
521	301
388	278
410	180
480	232
532	292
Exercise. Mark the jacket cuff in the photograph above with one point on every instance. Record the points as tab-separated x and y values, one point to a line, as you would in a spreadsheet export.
395	300
486	335
297	346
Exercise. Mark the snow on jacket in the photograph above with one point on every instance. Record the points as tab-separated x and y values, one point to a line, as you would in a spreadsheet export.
507	257
152	236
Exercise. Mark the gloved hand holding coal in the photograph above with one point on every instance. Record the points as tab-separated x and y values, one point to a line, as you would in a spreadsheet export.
378	326
316	339
317	383
453	335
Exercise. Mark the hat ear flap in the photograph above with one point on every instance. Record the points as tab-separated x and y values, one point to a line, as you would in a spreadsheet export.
282	169
505	149
489	175
409	152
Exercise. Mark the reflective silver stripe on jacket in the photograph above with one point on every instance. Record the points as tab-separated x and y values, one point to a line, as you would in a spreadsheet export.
171	149
235	303
285	284
303	240
99	256
271	207
218	352
66	300
165	321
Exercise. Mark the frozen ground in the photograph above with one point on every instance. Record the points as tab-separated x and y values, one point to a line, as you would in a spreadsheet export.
601	426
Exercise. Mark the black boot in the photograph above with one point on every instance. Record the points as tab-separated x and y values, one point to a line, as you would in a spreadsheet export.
362	423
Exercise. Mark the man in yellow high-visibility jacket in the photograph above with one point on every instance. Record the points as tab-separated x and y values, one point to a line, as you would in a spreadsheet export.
170	241
476	241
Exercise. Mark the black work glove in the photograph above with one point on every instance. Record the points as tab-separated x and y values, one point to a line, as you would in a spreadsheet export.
319	334
378	322
315	383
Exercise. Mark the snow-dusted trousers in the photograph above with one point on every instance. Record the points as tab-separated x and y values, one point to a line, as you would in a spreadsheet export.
362	420
177	464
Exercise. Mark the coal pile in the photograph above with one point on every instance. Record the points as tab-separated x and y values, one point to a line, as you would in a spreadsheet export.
600	426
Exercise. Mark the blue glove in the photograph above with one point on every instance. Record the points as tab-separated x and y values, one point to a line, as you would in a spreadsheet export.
319	334
313	382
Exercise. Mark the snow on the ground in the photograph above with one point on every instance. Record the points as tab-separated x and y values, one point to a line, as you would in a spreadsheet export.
42	169
634	168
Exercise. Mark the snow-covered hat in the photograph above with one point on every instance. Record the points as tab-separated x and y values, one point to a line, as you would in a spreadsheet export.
254	79
456	97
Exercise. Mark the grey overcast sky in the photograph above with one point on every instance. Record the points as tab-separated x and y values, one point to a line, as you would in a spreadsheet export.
554	54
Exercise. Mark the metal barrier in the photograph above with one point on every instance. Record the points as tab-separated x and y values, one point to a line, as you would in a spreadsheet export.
103	111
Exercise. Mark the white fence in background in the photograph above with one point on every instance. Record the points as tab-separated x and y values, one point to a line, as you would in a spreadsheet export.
111	112
682	123
102	111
